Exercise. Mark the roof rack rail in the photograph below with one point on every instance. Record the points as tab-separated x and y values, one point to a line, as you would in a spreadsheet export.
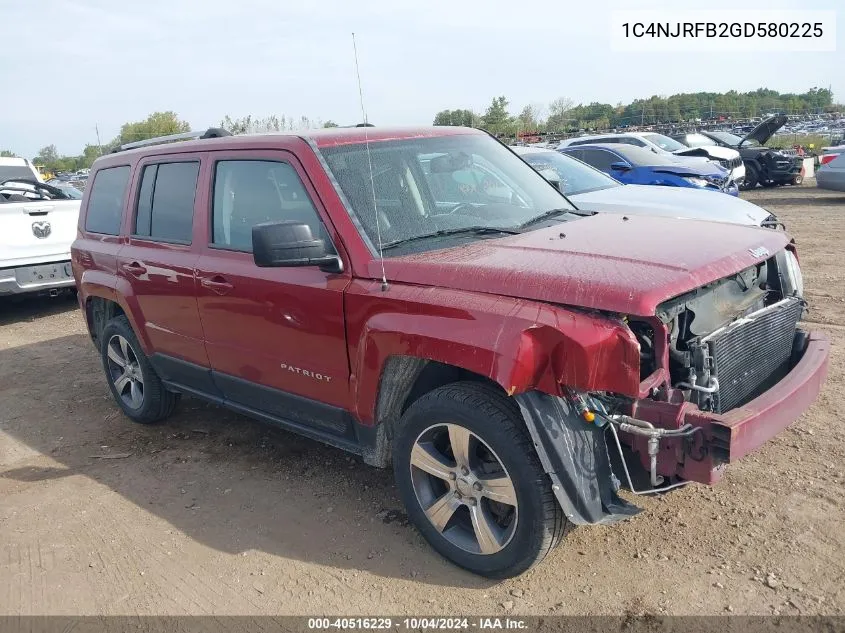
212	132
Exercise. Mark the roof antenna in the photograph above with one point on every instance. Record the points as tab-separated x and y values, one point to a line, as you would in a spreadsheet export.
384	285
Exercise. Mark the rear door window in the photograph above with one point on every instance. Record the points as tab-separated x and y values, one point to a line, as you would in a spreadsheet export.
166	202
105	204
600	159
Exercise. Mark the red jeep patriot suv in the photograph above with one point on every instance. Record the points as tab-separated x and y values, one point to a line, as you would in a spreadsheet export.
424	297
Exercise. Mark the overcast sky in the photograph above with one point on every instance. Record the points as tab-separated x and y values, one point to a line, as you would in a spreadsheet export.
106	62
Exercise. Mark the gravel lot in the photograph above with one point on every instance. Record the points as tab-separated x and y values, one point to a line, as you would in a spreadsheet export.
211	513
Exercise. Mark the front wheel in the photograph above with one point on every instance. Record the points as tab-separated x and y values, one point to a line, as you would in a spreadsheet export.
752	176
471	481
797	180
134	384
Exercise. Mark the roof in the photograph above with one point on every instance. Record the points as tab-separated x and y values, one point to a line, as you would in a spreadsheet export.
609	146
522	149
327	137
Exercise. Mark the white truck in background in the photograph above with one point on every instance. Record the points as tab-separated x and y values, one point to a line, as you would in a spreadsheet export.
37	225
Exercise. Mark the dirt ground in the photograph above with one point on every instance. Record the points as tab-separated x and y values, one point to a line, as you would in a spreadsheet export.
211	513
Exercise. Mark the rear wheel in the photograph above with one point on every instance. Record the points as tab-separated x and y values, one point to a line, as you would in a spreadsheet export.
471	481
798	179
133	382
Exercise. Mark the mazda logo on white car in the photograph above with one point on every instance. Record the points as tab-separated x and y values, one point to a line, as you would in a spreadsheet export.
41	229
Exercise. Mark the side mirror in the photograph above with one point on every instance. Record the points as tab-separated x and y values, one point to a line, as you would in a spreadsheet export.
552	176
283	244
620	166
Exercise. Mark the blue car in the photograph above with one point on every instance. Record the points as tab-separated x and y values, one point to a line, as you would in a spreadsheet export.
638	166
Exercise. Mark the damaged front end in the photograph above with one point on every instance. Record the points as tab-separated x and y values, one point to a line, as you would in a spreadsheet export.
723	369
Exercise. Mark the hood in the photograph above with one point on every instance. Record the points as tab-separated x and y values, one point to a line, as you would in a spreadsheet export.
621	264
675	202
713	151
691	167
765	130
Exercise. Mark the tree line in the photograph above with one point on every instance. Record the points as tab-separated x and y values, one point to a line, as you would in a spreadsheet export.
564	116
162	124
560	116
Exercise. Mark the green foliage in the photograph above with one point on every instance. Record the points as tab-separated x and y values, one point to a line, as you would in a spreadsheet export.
456	117
496	118
5	153
565	116
805	140
330	123
262	125
156	124
46	155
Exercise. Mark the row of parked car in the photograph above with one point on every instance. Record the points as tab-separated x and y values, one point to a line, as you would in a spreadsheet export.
423	298
704	159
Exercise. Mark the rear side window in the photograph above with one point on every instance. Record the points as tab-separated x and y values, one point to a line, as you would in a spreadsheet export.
105	204
600	159
166	202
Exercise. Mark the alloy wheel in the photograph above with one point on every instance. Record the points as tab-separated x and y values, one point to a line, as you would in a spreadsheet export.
464	489
125	371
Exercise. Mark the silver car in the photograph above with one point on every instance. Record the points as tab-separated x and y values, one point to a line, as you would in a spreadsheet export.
832	175
593	190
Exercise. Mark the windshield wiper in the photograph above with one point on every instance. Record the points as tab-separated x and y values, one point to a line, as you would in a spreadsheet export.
552	213
472	230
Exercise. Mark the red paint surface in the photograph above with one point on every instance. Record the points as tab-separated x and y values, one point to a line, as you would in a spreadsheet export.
604	262
516	309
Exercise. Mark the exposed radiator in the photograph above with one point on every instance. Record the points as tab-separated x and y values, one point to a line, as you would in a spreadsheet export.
748	351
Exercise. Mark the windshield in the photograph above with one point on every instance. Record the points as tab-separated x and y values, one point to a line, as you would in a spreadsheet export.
7	172
664	142
638	156
423	186
70	191
575	177
732	139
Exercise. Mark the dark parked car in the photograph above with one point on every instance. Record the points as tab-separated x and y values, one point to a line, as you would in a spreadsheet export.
373	289
763	165
633	165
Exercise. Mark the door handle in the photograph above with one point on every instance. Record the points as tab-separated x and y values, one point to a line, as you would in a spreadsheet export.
217	284
134	268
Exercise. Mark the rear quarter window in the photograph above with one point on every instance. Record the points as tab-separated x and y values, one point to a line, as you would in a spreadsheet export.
105	204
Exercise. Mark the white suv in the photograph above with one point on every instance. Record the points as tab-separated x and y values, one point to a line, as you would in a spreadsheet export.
662	144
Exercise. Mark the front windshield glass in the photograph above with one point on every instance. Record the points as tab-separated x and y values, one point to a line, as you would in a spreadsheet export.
71	191
8	172
442	184
732	139
664	142
575	177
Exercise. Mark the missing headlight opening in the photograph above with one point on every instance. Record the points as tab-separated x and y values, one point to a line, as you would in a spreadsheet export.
725	341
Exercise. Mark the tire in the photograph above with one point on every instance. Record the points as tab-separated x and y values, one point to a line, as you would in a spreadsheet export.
769	184
519	534
147	402
752	177
797	180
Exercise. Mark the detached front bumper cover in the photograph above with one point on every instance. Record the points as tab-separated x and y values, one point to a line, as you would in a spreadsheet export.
575	456
728	437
